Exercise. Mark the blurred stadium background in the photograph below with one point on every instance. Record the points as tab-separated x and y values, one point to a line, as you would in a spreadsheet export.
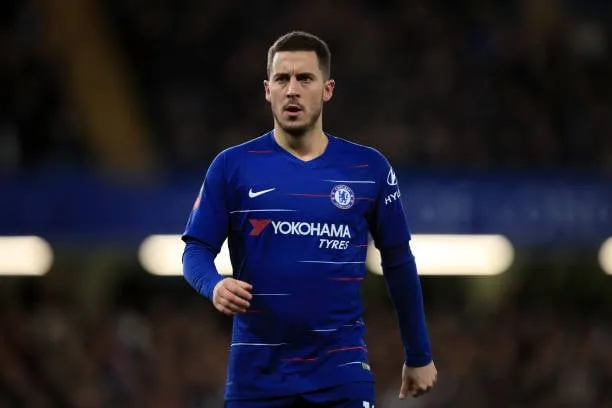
496	114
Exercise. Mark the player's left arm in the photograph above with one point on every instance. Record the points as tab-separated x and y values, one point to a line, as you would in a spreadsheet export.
391	234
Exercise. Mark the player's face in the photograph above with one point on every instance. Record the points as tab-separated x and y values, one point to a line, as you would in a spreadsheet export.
296	90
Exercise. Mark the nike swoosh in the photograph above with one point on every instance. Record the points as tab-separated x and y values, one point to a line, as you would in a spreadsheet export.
253	194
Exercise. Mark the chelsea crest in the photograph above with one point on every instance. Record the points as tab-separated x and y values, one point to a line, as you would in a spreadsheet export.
342	196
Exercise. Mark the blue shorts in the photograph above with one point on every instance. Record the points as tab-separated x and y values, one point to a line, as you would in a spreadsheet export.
350	395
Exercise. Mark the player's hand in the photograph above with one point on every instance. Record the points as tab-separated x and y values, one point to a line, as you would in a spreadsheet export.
232	296
417	381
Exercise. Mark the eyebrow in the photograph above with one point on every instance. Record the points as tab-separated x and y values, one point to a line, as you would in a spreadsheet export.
281	75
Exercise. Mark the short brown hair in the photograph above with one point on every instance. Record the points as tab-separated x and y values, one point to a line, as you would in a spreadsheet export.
302	41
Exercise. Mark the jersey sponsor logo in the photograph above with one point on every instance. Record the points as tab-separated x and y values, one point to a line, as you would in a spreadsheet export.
302	228
392	197
331	236
258	226
391	178
311	228
342	196
253	194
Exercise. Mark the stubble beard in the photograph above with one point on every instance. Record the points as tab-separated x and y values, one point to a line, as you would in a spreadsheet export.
298	131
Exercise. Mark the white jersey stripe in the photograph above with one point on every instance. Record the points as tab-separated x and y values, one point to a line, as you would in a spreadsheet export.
334	262
260	210
352	181
350	363
257	344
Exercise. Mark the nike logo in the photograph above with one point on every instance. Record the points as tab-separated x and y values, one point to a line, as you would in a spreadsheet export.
253	194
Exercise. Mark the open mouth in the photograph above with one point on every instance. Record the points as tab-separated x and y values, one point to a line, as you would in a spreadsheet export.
293	109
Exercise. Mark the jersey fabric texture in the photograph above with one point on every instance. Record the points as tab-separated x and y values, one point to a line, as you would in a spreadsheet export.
349	395
298	231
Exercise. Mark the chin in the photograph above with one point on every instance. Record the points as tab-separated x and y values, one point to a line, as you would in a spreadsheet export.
295	130
297	127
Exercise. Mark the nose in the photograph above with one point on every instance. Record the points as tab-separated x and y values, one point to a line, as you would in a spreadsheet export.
293	87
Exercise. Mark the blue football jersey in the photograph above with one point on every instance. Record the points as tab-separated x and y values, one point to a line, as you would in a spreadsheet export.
298	231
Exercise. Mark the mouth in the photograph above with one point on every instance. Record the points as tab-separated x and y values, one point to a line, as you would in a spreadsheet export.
292	110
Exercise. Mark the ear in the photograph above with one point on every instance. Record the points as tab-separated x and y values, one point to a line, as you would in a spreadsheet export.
266	85
328	89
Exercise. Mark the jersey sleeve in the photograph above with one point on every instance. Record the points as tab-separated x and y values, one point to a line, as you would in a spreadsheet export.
388	224
209	219
391	236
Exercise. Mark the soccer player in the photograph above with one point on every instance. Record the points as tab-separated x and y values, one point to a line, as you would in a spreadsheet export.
297	206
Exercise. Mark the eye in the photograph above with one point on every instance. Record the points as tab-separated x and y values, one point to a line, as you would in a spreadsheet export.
281	78
304	78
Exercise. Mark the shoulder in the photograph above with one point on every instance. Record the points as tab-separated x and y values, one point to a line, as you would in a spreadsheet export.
377	163
233	156
370	155
259	144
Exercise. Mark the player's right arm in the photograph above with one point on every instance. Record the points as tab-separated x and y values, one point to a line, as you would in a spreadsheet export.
207	228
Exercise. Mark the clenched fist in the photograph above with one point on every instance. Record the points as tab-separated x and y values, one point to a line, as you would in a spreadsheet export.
231	296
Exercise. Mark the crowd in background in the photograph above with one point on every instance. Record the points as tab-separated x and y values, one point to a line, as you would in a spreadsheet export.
432	84
40	126
170	354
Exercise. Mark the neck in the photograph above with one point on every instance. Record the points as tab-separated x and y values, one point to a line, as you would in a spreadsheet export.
305	147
